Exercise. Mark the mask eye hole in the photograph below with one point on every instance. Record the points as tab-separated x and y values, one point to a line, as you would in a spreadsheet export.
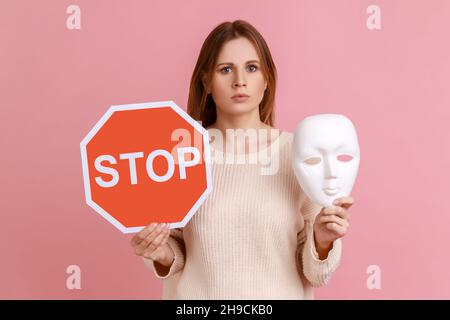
345	158
314	160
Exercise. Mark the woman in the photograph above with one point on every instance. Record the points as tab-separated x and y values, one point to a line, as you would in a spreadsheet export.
257	236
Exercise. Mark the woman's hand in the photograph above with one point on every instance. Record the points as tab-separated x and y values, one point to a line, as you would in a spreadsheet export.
330	224
151	243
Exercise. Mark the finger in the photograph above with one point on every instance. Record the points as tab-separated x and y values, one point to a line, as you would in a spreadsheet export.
334	218
337	229
156	254
343	213
137	239
152	236
141	247
338	211
345	202
166	236
153	255
157	242
154	247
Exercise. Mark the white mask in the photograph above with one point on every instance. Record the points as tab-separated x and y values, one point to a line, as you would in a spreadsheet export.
326	157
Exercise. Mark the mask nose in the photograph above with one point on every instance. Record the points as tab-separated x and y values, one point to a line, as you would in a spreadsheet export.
330	168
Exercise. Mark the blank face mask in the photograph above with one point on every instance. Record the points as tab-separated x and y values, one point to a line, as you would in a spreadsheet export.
326	157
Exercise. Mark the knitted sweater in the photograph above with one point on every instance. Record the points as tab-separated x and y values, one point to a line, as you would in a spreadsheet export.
252	238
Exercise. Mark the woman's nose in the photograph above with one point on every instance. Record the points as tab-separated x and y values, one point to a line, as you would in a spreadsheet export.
239	81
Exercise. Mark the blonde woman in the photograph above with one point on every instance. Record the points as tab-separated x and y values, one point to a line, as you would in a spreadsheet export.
257	236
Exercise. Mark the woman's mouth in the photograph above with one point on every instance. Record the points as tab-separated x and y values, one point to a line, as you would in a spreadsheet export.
240	97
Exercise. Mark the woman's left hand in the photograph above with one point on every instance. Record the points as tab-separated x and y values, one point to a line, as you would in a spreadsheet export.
331	223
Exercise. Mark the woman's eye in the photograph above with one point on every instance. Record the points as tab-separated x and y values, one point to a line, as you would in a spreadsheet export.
252	68
226	69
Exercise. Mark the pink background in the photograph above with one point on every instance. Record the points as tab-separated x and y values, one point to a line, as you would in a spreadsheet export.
57	83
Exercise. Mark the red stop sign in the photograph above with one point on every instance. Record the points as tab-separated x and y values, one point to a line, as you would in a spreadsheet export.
147	162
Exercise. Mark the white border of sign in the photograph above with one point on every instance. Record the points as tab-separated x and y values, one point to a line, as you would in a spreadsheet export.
146	105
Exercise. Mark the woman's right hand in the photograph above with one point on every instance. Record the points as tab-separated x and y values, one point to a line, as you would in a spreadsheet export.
151	243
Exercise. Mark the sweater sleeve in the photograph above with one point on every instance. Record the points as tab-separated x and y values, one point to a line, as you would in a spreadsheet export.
176	243
317	272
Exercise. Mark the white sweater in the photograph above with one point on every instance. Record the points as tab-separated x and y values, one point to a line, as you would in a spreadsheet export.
251	239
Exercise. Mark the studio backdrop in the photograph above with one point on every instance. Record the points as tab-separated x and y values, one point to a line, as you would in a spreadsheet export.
384	64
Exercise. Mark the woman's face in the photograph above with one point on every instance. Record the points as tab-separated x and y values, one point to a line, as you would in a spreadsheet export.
237	72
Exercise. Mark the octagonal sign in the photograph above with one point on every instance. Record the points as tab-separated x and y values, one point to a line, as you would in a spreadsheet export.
147	162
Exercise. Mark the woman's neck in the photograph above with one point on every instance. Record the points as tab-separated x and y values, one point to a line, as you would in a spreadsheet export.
228	126
243	122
